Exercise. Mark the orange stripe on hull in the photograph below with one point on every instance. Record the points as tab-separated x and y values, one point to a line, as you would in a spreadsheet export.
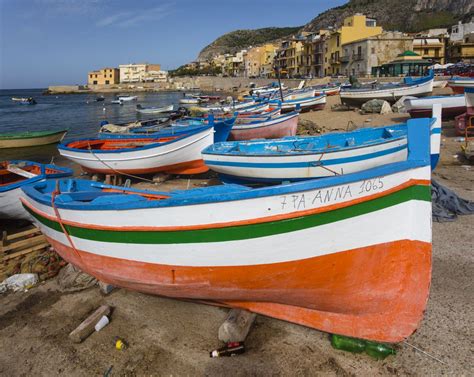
377	292
188	167
411	182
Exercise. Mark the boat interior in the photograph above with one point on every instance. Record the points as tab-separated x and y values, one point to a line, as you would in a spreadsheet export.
116	144
14	173
311	144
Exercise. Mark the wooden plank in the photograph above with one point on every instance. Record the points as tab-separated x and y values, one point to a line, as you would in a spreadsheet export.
26	232
87	327
26	251
24	243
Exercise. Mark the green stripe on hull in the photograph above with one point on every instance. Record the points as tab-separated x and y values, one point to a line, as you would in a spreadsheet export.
242	232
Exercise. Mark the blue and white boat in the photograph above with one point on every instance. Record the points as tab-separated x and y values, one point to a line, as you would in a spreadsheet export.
302	103
418	87
300	158
15	174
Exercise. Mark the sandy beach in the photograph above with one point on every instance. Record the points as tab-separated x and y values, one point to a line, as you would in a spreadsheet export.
171	337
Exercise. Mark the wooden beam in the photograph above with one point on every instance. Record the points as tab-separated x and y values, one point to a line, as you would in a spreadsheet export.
87	327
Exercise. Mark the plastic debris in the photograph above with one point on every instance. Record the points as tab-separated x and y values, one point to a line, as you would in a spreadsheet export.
103	321
19	282
120	344
230	349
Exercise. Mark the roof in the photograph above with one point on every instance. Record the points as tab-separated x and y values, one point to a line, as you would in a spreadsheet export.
408	53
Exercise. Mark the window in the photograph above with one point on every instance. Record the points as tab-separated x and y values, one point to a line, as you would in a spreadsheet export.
359	50
426	51
372	50
107	82
94	82
338	41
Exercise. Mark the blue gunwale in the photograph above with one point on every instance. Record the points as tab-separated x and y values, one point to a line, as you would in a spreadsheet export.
64	172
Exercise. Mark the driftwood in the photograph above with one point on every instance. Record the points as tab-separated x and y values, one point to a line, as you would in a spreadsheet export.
87	327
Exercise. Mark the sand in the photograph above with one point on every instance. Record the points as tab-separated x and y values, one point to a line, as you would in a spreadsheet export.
170	337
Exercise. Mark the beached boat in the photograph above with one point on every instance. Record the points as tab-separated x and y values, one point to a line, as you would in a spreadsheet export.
30	138
174	154
347	255
245	106
421	107
301	158
458	84
190	101
302	104
299	94
265	127
24	101
418	87
440	83
154	110
329	89
464	123
14	175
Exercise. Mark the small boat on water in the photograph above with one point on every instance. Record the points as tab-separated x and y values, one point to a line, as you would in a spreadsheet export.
421	107
15	174
459	84
173	154
347	255
265	127
301	158
154	110
127	98
24	101
417	87
100	99
30	138
303	104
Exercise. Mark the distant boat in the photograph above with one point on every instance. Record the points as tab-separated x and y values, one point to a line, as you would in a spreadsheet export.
127	98
116	102
154	110
17	173
303	104
265	127
417	87
24	101
100	99
421	107
458	84
30	138
190	101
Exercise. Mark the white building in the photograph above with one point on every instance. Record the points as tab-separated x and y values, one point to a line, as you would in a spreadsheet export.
142	72
459	31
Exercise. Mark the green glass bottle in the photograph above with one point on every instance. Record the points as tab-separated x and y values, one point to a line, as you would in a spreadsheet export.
378	351
347	344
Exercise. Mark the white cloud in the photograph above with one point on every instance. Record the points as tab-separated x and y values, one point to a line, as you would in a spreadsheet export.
132	18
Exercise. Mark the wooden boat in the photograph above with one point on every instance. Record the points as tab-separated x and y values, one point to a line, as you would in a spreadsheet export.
299	94
245	106
266	127
14	175
303	104
347	255
176	154
421	107
440	83
464	123
458	84
301	158
24	101
30	138
154	110
329	89
418	87
222	127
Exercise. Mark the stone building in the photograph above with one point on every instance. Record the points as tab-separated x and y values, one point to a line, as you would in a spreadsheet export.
104	76
360	56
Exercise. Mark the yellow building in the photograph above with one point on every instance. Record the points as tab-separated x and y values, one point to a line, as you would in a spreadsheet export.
354	27
430	48
104	76
258	60
290	56
462	50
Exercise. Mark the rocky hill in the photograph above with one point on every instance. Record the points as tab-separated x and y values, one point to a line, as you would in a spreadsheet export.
401	15
235	41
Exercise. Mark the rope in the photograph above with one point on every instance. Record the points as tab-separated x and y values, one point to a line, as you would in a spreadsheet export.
56	211
118	171
423	352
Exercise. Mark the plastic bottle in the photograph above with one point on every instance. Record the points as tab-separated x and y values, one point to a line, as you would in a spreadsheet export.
378	351
347	344
231	349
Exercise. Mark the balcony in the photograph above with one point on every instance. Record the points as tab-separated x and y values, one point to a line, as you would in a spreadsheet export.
335	60
345	58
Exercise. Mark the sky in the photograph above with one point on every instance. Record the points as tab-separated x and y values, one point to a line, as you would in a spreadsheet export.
56	42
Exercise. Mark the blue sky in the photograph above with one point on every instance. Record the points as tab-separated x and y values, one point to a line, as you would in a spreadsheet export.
54	42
